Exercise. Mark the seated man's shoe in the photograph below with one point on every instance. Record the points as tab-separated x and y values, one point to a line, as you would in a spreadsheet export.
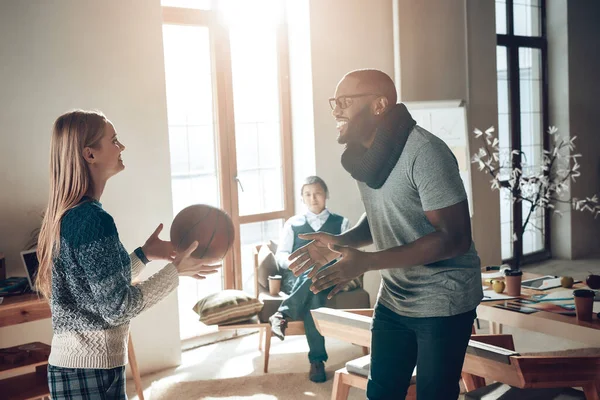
278	325
317	372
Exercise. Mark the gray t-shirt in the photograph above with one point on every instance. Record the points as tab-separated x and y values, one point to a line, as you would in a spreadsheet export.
425	178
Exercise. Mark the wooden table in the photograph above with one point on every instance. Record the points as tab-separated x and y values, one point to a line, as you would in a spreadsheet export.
542	321
16	310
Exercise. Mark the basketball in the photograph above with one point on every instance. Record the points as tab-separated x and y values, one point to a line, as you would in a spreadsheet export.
210	226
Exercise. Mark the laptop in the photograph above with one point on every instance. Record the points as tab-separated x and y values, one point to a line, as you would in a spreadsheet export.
31	264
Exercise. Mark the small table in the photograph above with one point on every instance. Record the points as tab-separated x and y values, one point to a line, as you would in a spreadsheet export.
542	321
23	308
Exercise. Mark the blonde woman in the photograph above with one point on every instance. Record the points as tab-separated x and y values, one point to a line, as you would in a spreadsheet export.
85	271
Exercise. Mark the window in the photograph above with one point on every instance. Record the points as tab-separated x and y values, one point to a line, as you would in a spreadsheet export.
522	117
229	129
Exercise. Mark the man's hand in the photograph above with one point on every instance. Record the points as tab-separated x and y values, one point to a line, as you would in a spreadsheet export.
315	254
353	263
156	249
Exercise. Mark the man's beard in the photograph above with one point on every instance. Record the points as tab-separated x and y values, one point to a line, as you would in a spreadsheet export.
360	127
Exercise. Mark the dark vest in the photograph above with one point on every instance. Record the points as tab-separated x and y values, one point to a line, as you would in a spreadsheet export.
332	225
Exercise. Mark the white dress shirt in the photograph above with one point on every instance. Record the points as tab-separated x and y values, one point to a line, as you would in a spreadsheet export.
286	239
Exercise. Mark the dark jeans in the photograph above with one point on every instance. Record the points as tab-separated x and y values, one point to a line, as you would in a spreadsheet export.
435	345
297	307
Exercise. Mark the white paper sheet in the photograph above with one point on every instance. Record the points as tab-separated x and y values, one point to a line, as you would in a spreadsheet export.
490	295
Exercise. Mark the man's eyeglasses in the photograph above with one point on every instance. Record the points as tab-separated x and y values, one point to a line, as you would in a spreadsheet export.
346	101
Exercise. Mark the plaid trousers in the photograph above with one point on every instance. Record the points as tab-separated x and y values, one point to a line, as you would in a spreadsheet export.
86	384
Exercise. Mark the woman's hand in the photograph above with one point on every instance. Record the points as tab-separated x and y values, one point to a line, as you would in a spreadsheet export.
196	268
156	249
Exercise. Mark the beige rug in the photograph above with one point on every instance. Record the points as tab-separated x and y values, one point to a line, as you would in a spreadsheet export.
263	387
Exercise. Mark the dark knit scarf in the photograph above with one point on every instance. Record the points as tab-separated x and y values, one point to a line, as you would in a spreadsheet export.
373	165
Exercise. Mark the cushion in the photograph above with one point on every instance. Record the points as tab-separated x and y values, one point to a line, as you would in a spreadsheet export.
267	266
500	391
273	246
361	366
226	307
353	284
270	305
358	298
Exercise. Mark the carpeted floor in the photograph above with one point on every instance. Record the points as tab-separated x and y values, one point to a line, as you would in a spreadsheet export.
265	387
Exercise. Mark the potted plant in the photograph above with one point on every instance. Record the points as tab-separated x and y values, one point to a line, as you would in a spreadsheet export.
540	186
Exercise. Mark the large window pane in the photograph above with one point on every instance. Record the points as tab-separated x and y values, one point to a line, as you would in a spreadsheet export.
501	23
527	17
194	174
252	235
530	73
255	72
533	238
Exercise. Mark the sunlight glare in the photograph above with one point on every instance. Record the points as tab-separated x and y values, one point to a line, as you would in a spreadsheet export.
255	14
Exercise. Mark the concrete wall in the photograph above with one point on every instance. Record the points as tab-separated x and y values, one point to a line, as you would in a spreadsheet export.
558	110
60	55
574	62
433	51
447	51
584	86
345	35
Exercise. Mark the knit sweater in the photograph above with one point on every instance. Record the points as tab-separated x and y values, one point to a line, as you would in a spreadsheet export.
93	297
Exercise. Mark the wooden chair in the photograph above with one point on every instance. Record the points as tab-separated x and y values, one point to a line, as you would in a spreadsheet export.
352	326
493	357
356	298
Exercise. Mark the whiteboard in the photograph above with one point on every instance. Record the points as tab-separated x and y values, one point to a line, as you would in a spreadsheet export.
448	121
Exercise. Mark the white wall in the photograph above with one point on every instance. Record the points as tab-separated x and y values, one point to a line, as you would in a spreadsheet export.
447	51
344	35
574	85
106	55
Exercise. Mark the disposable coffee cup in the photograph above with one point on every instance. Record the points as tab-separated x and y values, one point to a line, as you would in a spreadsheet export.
274	284
584	304
513	282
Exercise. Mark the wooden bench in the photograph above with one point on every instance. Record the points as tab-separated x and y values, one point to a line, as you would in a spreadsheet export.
491	357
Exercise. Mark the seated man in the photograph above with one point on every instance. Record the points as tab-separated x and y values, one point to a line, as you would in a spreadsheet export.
301	300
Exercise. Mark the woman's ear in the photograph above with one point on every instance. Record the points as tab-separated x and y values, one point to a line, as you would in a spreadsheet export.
88	155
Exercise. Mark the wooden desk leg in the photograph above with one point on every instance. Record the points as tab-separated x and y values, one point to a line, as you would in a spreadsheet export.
592	391
267	347
472	382
498	328
495	328
261	334
340	389
134	370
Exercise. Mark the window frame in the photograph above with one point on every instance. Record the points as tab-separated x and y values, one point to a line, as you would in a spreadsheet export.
513	43
224	119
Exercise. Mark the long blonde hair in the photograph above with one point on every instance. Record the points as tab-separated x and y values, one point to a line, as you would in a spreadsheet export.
69	182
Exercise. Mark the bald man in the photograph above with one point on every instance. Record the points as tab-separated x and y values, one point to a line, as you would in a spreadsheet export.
418	218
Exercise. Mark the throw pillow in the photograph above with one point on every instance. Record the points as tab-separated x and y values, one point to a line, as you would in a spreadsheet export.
226	307
267	266
353	284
